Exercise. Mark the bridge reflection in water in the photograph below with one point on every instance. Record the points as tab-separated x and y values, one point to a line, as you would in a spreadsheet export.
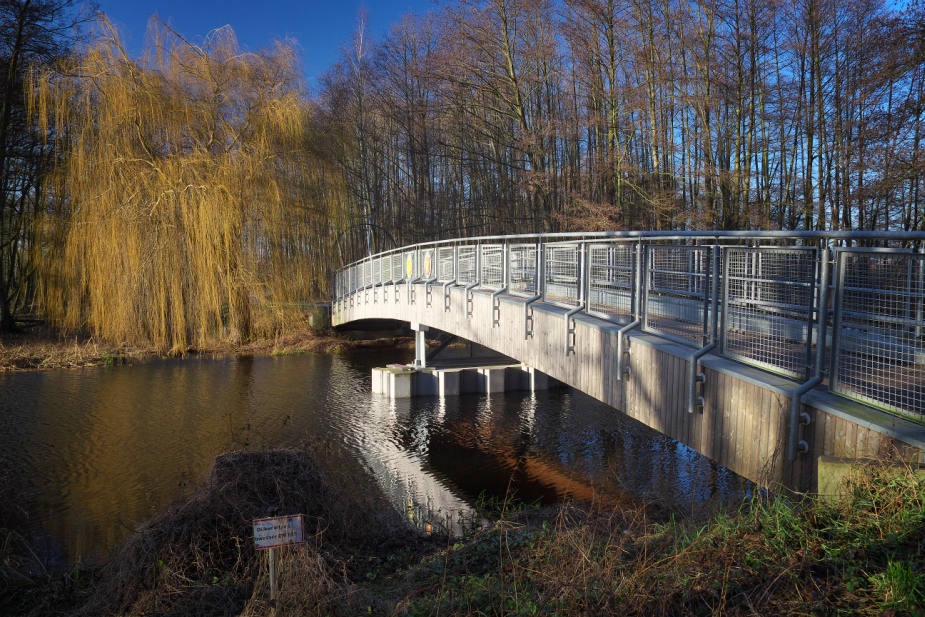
762	350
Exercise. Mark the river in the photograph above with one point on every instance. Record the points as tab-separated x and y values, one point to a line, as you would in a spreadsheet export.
88	454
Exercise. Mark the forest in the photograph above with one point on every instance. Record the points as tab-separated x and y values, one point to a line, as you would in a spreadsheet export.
197	192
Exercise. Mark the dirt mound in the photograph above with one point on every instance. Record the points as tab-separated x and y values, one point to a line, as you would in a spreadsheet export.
198	558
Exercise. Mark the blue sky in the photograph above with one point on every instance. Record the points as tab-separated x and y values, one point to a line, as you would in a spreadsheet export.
320	28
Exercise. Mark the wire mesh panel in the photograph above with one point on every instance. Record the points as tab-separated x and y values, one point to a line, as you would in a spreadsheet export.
491	266
613	274
677	290
768	307
385	269
563	280
398	269
523	274
879	349
446	270
377	271
364	274
468	260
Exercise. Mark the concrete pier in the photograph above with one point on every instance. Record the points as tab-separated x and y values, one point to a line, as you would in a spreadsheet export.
405	381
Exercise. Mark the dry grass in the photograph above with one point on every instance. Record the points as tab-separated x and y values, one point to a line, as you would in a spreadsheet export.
45	349
198	558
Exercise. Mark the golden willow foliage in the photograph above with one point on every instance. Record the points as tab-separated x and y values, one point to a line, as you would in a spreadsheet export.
191	204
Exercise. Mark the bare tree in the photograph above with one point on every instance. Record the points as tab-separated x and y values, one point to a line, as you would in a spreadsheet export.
32	33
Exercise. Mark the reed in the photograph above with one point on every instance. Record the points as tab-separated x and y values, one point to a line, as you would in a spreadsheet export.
192	202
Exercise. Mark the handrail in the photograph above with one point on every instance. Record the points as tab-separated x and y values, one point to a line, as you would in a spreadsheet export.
682	235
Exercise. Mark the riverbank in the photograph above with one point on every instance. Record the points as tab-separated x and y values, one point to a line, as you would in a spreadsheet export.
862	555
43	349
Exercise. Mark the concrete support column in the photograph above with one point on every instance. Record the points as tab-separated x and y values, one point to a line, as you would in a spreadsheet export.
420	345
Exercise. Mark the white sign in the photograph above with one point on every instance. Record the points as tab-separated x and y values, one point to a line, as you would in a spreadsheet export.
277	531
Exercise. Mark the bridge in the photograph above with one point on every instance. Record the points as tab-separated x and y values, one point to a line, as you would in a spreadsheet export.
768	352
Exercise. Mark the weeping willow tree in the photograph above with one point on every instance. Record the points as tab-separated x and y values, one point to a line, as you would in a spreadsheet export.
191	203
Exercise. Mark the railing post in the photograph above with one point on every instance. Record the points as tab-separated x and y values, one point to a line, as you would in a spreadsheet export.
537	292
495	296
695	401
635	304
569	316
724	322
837	298
584	296
821	335
454	260
810	321
415	270
541	270
644	275
714	290
920	309
794	444
477	258
428	279
367	275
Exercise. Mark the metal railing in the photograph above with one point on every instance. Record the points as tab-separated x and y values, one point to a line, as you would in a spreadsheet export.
768	297
878	348
612	280
677	293
523	269
755	297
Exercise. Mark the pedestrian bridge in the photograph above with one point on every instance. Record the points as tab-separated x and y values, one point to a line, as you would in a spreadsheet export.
764	351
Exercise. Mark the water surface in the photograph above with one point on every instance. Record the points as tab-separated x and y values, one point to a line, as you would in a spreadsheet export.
86	455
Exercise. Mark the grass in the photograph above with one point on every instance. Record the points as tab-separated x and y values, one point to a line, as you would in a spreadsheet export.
861	555
27	587
864	555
